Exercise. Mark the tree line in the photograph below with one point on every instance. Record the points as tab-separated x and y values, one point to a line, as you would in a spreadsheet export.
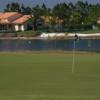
64	15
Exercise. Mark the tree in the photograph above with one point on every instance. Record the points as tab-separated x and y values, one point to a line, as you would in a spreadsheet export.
45	10
37	13
13	7
62	12
82	9
93	14
26	10
75	18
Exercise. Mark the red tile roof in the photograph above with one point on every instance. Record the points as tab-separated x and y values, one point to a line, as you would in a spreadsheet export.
22	19
13	18
7	15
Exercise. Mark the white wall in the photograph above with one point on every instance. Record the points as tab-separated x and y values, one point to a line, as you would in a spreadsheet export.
19	28
22	28
16	27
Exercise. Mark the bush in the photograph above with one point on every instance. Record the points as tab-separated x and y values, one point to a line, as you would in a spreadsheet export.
74	28
8	34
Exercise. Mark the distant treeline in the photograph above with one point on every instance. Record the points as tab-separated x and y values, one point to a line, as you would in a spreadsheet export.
62	16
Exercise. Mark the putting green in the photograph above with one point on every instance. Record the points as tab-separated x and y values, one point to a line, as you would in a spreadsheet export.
48	76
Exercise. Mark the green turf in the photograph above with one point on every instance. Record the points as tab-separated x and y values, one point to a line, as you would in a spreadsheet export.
48	76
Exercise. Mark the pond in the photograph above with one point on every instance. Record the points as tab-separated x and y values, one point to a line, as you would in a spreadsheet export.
39	45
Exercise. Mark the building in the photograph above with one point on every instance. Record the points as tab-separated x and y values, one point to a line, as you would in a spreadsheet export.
14	21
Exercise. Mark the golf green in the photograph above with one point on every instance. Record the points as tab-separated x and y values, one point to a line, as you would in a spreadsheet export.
48	76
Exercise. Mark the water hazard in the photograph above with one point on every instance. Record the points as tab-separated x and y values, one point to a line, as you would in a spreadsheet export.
38	45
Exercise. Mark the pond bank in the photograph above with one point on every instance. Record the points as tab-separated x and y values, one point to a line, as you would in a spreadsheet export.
39	38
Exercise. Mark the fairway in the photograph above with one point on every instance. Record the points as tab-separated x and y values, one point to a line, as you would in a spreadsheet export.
48	76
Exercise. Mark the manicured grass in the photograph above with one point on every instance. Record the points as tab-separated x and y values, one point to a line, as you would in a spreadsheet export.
92	31
48	76
29	33
88	31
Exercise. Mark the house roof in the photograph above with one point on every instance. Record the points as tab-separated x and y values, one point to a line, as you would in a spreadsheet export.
1	14
22	19
7	15
13	18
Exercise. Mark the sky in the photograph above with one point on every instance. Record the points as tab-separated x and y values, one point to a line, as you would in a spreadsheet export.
49	3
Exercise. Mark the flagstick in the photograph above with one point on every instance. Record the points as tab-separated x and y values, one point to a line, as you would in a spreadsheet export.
73	60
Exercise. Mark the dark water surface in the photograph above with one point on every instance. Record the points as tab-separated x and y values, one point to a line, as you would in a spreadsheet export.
66	45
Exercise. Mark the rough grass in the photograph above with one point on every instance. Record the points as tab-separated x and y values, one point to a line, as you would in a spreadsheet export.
48	76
